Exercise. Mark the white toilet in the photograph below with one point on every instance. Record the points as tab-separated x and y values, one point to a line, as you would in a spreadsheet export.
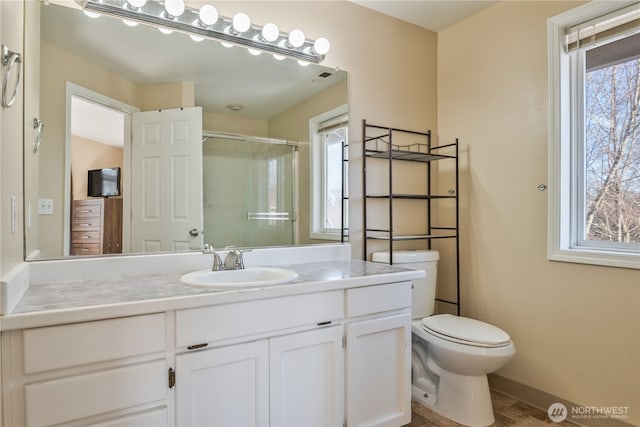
451	355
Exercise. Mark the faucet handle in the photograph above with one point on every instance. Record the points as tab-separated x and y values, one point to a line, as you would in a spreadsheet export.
217	262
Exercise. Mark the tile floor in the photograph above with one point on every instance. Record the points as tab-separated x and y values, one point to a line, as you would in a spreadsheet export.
508	412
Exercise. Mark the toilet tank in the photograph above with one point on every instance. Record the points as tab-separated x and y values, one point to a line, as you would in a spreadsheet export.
424	290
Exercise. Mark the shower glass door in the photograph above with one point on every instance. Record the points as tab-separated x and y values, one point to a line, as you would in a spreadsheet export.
248	193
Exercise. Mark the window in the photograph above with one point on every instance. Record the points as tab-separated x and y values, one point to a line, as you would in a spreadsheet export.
328	190
594	75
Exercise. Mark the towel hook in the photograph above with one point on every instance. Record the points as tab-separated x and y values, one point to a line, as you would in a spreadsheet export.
39	126
9	59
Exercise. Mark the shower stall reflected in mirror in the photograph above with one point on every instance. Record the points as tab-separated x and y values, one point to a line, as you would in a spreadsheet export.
249	191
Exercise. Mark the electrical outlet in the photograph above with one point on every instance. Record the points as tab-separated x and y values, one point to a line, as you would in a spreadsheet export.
45	206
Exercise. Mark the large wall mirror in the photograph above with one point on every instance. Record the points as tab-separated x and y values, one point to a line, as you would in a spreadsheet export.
260	141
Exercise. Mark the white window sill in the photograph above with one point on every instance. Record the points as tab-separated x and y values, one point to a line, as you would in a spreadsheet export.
325	236
586	256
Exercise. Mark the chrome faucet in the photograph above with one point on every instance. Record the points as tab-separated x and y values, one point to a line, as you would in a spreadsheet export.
233	260
217	261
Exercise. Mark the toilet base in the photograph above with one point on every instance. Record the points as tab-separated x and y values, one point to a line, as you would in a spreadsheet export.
463	399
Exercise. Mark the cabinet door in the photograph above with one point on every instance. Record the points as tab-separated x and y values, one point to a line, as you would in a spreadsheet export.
307	378
227	386
379	371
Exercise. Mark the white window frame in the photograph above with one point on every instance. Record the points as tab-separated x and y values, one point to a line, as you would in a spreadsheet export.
564	136
318	171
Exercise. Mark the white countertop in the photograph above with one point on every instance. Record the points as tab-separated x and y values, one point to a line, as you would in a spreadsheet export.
82	300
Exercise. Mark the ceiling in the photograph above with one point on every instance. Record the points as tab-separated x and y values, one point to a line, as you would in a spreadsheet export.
434	15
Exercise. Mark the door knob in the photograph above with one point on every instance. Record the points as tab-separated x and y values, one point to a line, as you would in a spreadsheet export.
194	232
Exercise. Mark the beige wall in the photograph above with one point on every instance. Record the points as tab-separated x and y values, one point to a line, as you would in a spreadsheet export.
61	66
11	242
231	123
168	95
86	155
576	327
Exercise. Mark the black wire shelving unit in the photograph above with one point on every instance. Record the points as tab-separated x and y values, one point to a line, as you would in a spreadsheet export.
378	143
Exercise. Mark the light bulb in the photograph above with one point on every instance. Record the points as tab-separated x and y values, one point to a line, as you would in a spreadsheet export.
278	57
130	23
174	7
208	14
91	14
254	52
321	46
136	4
241	22
165	30
196	38
296	38
270	32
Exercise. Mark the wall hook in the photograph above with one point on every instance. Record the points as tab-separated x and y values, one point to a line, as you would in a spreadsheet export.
542	187
9	59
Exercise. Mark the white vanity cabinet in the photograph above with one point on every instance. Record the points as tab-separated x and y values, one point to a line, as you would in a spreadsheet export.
289	372
378	354
323	358
226	386
108	372
307	378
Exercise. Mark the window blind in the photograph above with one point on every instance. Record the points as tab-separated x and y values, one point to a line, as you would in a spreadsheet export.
625	21
334	123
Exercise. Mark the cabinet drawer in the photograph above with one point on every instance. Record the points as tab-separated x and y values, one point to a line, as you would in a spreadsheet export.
83	237
86	224
207	324
63	346
72	398
85	210
85	249
377	299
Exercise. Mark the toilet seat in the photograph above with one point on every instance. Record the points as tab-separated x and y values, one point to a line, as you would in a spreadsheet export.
467	331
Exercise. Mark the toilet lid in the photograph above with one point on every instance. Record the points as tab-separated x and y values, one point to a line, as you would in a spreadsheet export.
466	331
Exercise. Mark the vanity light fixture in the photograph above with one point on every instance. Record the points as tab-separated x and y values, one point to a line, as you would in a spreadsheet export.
207	23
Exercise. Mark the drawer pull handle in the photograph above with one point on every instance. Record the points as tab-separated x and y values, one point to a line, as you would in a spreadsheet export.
84	225
196	346
85	237
324	323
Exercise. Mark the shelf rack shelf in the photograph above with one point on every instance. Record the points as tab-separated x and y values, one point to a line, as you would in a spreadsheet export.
378	143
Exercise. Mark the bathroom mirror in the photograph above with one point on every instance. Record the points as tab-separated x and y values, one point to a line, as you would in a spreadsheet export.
258	114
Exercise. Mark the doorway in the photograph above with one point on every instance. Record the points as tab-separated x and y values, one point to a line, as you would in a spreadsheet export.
98	135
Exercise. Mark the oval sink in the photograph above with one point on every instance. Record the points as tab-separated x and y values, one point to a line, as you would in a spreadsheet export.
247	278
